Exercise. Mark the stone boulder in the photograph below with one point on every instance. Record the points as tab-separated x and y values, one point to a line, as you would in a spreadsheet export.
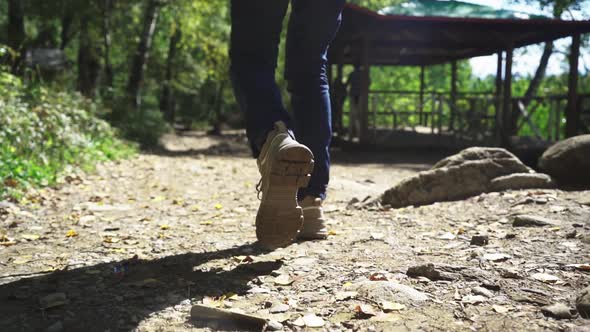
522	181
568	161
471	172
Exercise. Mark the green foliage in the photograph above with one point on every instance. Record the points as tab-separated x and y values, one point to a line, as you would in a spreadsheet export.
43	131
145	127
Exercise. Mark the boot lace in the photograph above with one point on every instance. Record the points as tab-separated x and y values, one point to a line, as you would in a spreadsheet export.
259	190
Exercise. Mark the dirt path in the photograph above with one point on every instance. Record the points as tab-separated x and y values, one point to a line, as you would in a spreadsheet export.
133	245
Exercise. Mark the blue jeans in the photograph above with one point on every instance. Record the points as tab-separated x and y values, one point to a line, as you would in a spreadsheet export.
255	38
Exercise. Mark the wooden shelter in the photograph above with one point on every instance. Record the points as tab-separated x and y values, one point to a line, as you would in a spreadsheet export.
369	38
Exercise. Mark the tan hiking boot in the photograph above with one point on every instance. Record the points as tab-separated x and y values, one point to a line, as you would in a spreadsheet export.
314	222
285	166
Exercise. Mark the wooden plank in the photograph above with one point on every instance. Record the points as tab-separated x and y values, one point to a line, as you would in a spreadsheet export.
498	99
572	113
365	87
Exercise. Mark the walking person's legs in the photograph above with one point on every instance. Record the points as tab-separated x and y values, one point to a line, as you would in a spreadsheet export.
312	26
255	38
284	164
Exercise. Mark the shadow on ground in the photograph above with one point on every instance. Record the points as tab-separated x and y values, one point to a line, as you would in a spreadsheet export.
100	299
234	144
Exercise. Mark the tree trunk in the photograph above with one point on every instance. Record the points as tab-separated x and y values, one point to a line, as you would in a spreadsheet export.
16	24
539	74
218	108
106	35
16	30
166	102
88	61
534	84
66	29
142	54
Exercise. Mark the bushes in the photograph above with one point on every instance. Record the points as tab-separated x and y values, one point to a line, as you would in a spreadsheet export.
43	131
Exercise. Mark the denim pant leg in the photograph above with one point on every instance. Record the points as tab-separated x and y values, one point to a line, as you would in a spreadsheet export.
255	38
312	27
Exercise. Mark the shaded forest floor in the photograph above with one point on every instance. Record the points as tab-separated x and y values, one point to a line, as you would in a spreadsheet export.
133	245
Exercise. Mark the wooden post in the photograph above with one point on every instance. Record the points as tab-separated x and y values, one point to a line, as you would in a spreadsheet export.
453	95
572	113
421	101
507	100
365	85
498	99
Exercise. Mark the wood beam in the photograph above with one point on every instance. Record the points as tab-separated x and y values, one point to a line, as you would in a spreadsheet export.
498	100
421	101
365	85
453	95
572	112
507	100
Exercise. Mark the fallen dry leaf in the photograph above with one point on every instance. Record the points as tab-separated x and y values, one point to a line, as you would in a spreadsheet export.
299	322
500	309
22	259
386	317
544	277
283	280
110	239
365	310
243	259
391	306
378	277
311	320
341	296
30	237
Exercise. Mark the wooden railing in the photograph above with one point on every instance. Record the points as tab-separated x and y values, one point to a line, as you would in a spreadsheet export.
472	116
544	117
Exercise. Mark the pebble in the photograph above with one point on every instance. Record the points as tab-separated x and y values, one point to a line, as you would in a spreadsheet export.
429	271
526	220
480	240
583	303
473	299
482	291
281	307
273	325
496	257
557	310
311	320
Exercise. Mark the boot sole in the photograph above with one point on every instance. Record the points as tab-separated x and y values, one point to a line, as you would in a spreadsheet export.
279	217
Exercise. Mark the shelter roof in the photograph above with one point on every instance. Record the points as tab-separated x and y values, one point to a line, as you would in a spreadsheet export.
426	39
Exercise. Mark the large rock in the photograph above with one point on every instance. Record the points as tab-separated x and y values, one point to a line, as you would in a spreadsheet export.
568	161
469	173
522	181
